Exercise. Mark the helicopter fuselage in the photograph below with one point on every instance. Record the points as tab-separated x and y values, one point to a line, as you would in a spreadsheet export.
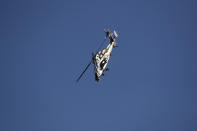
100	60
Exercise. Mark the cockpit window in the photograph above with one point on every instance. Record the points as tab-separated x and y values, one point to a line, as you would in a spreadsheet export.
103	62
100	56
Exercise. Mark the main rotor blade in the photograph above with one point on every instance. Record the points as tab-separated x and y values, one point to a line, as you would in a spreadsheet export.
83	71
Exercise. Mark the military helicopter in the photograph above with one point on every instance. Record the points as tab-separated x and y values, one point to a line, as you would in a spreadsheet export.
101	58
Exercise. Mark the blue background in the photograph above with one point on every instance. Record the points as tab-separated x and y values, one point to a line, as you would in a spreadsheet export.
45	45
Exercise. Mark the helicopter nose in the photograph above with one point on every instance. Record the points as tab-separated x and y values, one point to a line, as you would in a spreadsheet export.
96	77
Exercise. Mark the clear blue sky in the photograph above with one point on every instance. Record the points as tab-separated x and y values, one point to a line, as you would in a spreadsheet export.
152	84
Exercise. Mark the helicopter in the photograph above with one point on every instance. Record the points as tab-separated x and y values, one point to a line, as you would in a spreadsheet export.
101	58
